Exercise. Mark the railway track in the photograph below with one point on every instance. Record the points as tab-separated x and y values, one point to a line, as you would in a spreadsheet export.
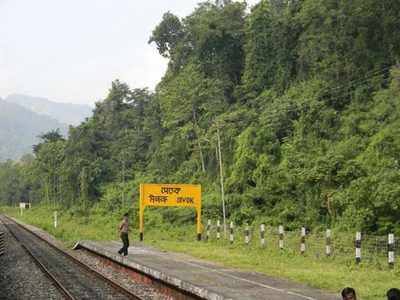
72	278
2	243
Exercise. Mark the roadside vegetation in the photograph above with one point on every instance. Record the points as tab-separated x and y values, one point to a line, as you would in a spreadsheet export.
305	97
371	278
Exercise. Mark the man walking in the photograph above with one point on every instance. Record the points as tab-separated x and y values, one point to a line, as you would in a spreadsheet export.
123	231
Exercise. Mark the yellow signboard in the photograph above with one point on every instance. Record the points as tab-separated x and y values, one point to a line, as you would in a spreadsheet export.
161	195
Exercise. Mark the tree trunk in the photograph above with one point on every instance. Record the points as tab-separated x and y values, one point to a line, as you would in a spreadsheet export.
195	127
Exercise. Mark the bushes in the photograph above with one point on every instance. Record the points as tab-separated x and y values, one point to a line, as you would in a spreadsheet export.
305	104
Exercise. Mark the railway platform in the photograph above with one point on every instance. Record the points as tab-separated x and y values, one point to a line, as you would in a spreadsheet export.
202	278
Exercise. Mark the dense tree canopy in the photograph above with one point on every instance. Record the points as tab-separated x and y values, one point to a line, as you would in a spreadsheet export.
305	95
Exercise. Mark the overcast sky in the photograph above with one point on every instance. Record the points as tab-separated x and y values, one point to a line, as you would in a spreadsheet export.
71	50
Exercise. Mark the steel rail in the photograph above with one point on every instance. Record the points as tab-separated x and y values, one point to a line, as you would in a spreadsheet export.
2	243
54	280
87	268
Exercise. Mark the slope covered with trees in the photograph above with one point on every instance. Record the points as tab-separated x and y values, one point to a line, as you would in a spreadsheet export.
305	95
66	113
20	128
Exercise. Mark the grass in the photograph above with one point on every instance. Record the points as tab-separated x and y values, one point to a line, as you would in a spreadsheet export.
371	279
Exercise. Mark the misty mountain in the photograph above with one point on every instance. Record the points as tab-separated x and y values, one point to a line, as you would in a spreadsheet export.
67	113
20	128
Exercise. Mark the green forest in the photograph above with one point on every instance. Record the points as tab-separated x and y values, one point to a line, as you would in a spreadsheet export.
303	95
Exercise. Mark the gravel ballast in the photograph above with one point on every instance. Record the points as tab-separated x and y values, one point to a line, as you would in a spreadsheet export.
146	292
20	277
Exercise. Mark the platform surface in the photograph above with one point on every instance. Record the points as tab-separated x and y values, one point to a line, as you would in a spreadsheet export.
205	279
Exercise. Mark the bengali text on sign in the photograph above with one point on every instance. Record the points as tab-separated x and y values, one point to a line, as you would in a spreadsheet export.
171	195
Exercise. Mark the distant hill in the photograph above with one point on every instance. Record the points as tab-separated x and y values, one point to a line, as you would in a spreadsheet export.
67	113
20	127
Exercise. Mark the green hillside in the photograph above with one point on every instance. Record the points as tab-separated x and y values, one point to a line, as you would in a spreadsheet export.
305	95
67	113
20	129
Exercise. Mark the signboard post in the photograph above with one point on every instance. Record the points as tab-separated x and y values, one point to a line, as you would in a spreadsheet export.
170	195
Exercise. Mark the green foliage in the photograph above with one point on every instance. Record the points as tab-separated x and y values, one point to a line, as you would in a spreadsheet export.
371	278
167	35
305	96
20	128
272	34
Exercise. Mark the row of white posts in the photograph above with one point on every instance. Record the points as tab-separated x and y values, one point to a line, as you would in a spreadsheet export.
390	248
303	234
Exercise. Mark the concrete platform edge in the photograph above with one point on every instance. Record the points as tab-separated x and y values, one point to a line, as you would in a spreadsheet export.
156	274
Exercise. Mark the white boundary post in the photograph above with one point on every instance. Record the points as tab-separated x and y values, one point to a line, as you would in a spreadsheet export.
208	229
262	235
247	234
218	230
281	232
231	232
391	250
358	247
55	219
328	249
303	240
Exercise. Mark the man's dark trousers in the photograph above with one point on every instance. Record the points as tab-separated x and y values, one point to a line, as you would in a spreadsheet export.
125	241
